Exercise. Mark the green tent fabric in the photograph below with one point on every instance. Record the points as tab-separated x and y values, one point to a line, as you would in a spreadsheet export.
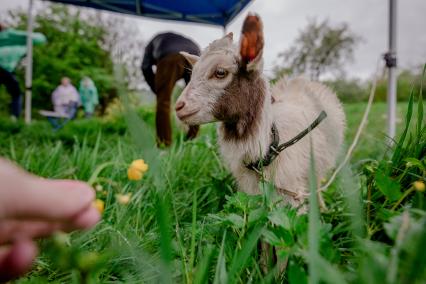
13	47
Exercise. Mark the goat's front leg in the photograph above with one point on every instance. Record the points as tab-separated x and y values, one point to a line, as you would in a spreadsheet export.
266	256
248	182
269	257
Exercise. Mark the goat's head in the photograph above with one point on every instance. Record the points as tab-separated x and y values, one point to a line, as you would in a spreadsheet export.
214	92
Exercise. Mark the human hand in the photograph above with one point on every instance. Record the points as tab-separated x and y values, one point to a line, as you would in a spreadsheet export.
32	207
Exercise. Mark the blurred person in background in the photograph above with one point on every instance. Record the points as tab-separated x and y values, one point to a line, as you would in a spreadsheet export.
12	50
163	53
66	99
88	96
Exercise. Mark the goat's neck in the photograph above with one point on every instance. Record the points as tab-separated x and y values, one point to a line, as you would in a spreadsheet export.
249	135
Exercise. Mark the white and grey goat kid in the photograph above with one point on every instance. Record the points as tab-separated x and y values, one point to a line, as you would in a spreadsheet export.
227	86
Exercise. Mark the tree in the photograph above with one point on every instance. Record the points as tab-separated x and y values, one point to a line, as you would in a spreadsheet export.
124	42
319	48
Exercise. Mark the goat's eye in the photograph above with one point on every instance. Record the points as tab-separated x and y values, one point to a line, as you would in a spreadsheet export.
220	73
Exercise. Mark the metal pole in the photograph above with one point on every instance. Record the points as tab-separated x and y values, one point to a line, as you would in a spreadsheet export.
29	66
390	58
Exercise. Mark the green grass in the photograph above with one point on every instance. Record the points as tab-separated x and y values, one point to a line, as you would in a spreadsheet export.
372	143
187	224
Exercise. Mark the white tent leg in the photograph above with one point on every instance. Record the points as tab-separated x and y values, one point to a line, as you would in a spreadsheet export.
392	102
29	62
391	64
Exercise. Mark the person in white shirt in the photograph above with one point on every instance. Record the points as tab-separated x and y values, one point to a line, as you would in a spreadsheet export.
65	98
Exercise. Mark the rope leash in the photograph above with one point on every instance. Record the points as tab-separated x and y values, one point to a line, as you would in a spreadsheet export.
358	132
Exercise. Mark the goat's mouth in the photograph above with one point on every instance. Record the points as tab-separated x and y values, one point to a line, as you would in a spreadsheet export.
183	116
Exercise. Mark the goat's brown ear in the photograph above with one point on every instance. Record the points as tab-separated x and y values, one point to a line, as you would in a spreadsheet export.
192	59
251	45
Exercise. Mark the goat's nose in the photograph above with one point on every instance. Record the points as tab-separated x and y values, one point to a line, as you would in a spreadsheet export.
180	105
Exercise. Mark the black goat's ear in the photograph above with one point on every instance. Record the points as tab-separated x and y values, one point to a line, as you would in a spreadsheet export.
192	59
251	45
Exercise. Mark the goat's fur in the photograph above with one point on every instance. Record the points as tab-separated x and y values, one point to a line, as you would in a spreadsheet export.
242	103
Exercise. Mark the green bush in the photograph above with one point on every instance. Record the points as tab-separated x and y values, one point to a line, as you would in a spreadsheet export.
407	80
355	90
349	90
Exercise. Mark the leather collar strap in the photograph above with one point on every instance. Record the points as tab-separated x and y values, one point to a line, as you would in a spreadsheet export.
275	149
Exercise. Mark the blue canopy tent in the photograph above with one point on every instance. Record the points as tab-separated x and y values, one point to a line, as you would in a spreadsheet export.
213	12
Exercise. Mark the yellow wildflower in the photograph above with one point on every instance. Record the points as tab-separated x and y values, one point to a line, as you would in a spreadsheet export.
136	169
123	198
99	205
140	165
419	185
134	174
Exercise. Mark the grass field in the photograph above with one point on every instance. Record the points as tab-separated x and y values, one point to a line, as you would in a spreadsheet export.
185	222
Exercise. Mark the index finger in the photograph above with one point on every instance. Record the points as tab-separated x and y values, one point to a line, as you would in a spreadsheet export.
24	196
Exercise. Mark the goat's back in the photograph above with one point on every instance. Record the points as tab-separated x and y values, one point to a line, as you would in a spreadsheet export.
298	102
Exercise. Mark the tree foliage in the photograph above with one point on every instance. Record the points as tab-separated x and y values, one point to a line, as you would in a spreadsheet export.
319	48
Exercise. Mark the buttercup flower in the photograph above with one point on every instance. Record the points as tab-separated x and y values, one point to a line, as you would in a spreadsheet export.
123	198
99	205
136	169
134	174
419	185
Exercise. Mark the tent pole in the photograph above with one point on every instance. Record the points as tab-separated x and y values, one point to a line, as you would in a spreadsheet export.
390	58
29	65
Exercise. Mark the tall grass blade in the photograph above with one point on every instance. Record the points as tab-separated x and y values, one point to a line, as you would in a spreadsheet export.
221	275
353	199
95	151
97	171
314	222
164	225
141	134
400	144
329	273
420	117
202	271
193	230
242	256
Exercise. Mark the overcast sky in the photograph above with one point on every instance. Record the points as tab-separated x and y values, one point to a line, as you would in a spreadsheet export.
283	19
